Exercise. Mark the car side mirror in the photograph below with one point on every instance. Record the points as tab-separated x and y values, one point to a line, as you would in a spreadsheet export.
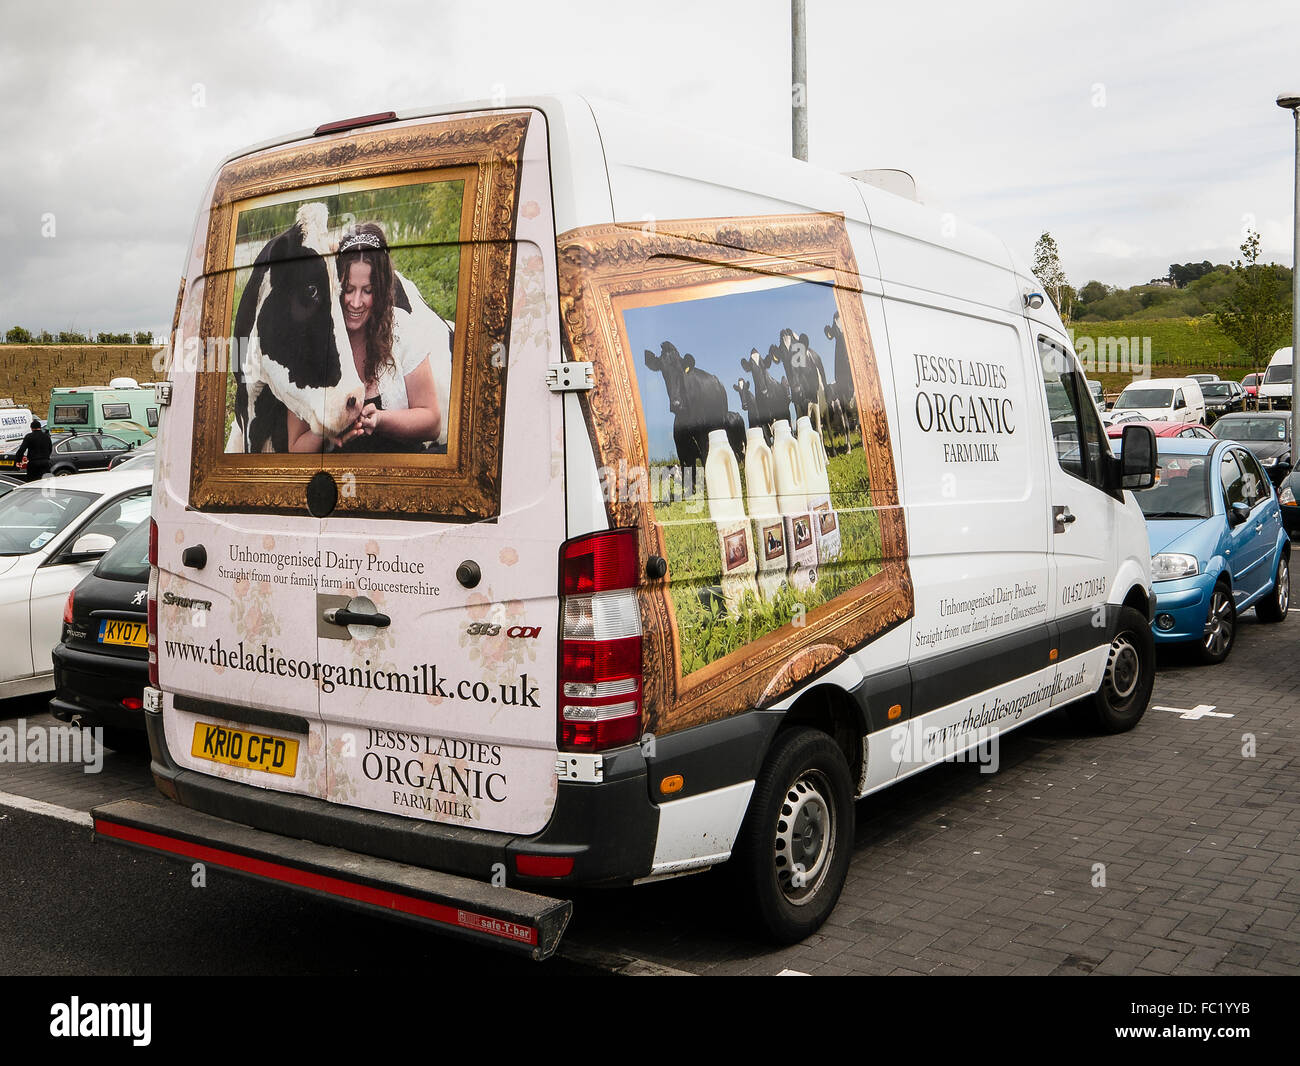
1138	458
1238	513
92	544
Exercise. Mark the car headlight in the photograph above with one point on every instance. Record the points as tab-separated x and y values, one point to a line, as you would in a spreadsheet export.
1170	566
1287	497
1270	461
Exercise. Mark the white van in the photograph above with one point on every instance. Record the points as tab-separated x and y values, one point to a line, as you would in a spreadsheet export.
699	493
1163	400
1275	389
15	423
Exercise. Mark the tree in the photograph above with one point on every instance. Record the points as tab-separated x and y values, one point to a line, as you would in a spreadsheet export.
18	335
1047	269
1256	314
1094	291
1183	274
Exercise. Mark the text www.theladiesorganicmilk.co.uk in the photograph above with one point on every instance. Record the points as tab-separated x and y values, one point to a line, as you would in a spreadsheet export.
423	679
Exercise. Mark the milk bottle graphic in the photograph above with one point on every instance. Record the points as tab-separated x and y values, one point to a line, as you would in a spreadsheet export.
727	509
769	526
826	523
792	497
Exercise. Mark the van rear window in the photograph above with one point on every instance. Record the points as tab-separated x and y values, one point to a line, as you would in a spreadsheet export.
71	414
364	324
116	410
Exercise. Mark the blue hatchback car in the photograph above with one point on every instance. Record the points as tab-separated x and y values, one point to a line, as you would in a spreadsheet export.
1217	543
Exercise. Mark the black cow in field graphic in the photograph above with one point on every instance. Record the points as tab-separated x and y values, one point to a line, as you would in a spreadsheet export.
806	376
698	402
841	396
771	398
293	351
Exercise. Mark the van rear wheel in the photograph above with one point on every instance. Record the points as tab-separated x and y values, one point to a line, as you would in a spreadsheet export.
1128	678
794	847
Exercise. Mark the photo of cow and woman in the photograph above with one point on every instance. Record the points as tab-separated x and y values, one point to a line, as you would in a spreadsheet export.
343	318
762	373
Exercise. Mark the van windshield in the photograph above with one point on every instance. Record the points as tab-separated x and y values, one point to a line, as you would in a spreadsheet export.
1181	490
1278	375
1133	398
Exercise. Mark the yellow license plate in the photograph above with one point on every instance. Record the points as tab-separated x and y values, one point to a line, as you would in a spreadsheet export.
237	747
131	634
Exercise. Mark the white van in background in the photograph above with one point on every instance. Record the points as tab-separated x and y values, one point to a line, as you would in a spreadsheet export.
1275	389
740	516
15	423
1162	400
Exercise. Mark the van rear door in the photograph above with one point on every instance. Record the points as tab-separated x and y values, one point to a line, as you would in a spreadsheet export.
425	547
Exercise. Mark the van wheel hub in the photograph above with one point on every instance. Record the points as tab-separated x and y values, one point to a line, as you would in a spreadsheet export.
1123	667
805	834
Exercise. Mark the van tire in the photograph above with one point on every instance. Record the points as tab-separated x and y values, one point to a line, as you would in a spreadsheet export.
1127	681
803	786
1273	607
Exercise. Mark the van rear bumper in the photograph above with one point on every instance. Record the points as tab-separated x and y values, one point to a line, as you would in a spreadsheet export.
608	828
504	917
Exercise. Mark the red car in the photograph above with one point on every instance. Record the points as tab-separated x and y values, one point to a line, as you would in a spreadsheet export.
1164	429
1251	384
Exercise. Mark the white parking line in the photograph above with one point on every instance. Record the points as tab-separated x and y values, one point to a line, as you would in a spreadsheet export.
50	810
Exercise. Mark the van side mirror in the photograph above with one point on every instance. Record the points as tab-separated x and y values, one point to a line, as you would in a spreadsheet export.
1138	458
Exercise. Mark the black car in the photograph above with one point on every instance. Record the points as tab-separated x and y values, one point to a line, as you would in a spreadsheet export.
85	451
1266	433
1222	398
101	667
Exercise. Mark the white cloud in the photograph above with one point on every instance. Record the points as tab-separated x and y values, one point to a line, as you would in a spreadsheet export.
990	106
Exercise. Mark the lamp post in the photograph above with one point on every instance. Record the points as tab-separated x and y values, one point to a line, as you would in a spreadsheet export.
798	82
1291	102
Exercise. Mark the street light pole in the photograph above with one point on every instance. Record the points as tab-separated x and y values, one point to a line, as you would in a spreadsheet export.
1291	102
798	82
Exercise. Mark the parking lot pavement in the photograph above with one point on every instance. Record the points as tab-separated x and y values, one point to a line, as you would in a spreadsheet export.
1168	850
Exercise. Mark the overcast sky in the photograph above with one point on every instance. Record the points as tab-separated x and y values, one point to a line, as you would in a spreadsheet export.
1137	133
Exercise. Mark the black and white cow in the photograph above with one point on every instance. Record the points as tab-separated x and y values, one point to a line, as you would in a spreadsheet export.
698	402
771	397
842	387
805	374
292	344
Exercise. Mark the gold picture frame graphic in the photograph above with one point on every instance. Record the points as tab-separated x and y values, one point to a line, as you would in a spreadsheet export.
606	269
483	151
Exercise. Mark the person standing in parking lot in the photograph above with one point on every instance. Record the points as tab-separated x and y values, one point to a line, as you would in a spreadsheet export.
37	447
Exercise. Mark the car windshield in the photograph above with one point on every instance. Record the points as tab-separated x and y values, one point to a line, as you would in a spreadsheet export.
1260	429
1214	388
128	560
1133	398
32	517
1182	488
1276	375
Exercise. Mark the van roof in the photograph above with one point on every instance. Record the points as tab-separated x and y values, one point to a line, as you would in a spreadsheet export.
1170	382
634	142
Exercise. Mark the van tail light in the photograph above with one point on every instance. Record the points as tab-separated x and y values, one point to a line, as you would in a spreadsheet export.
67	609
151	623
600	648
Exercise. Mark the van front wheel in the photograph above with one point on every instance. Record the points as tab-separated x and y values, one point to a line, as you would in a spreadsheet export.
1128	678
793	850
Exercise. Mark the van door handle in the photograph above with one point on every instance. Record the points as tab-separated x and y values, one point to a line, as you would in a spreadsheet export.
1061	517
341	616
